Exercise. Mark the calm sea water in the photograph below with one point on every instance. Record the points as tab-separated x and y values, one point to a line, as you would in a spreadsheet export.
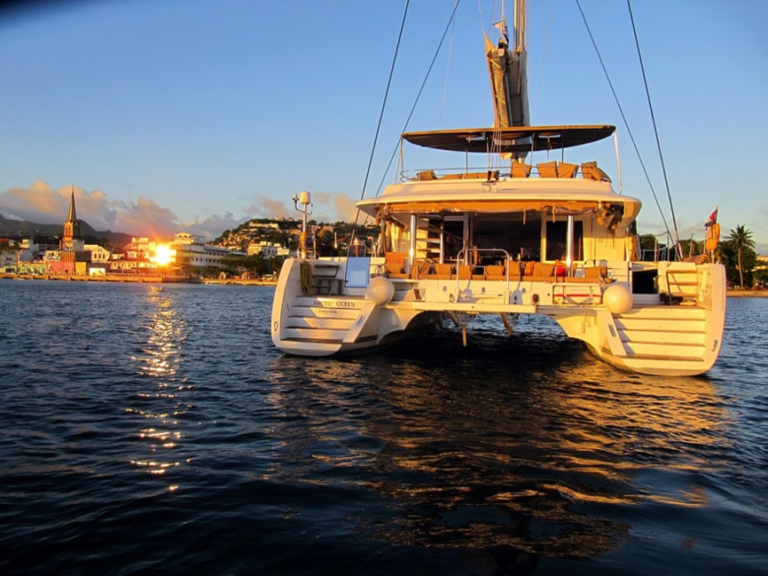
148	431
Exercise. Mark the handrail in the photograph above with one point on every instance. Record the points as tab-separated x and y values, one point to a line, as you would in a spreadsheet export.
464	252
656	250
484	172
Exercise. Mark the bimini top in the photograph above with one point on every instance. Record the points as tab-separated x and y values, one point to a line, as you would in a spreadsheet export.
513	139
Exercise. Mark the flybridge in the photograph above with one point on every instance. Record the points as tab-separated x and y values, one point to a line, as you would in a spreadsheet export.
519	139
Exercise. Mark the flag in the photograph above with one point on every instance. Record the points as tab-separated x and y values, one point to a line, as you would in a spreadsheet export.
712	219
502	27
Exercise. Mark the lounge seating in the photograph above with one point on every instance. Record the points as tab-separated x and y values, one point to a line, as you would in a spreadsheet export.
394	265
596	272
590	171
559	170
547	169
426	175
543	269
531	271
442	272
565	170
516	270
520	170
495	272
464	272
489	175
420	269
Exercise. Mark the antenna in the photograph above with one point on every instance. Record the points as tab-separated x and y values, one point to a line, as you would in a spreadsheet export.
305	199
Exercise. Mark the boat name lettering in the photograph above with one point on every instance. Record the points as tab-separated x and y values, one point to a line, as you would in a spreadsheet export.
337	304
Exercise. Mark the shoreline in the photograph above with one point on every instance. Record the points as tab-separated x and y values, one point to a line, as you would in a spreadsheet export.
134	279
747	294
150	279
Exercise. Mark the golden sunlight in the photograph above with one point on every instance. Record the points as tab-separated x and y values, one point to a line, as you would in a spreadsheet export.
164	255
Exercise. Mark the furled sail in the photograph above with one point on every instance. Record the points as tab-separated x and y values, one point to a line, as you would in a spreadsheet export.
507	68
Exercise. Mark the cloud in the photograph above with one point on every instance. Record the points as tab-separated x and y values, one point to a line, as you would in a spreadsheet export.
147	218
343	207
43	204
38	203
264	207
214	225
326	208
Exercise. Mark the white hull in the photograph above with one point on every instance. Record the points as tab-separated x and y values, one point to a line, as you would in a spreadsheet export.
678	339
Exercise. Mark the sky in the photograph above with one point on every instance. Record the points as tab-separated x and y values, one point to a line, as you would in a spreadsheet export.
171	115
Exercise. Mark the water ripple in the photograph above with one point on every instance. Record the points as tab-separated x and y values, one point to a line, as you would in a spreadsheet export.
160	430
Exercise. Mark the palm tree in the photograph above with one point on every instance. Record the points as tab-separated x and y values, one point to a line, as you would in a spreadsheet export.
741	238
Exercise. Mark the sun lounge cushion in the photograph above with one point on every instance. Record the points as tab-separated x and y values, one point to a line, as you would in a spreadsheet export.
520	170
420	269
565	170
596	271
494	271
547	169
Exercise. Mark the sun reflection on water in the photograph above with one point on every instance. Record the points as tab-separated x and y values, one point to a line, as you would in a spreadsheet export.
158	362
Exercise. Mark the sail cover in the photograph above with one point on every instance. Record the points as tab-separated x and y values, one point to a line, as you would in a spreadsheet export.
509	84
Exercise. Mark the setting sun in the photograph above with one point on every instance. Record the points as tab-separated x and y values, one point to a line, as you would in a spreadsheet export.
164	255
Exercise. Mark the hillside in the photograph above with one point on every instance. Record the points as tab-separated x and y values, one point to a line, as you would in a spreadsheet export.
25	229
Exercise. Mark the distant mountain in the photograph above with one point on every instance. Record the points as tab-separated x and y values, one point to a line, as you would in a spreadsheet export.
25	229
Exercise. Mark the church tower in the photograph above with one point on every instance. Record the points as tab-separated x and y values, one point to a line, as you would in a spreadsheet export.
71	235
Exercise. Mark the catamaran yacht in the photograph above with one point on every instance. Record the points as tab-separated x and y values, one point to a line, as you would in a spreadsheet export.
552	238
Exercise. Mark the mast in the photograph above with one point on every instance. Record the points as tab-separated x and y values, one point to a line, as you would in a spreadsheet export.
507	67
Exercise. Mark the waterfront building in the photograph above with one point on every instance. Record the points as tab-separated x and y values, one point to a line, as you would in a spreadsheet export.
99	254
192	252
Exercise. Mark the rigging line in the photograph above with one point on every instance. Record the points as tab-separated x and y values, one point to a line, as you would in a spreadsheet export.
482	20
381	114
386	95
543	60
656	131
447	74
421	90
624	118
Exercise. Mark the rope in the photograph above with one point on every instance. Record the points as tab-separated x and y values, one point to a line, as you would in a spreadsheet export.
305	270
624	119
381	114
418	96
656	132
384	103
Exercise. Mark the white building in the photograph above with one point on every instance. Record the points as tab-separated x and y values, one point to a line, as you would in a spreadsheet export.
99	254
256	225
191	251
140	249
268	250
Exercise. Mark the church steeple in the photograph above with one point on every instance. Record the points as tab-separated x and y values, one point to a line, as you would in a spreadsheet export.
72	215
71	226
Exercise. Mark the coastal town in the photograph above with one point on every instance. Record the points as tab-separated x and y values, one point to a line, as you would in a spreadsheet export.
252	253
